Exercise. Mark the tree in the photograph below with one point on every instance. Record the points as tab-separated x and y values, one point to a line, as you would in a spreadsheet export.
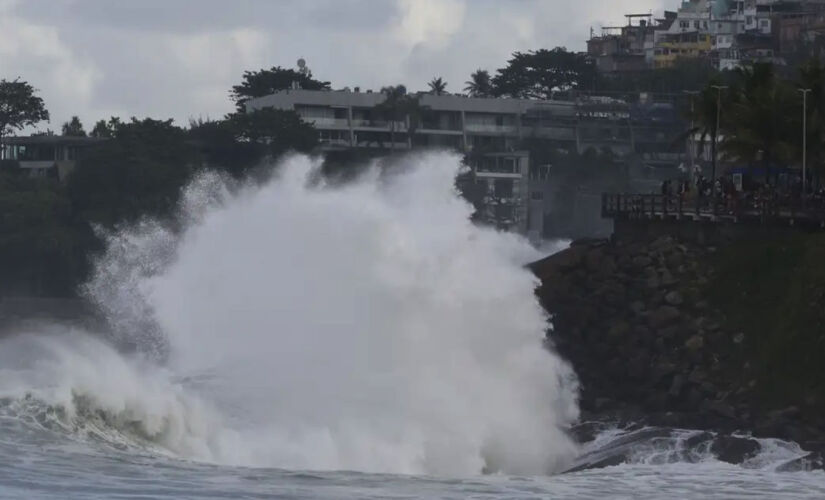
19	107
74	128
104	129
757	120
278	130
268	81
138	173
398	106
437	86
703	117
539	74
479	84
42	248
219	143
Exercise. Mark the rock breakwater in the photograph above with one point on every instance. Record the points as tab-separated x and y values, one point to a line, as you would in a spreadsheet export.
649	346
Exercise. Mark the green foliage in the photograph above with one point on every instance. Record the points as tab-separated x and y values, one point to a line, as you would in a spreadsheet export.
42	249
758	123
19	107
104	129
479	84
278	130
218	142
243	140
139	172
74	128
268	81
539	74
437	86
773	290
398	106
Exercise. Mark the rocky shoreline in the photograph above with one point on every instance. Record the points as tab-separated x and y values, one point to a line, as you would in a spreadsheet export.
650	349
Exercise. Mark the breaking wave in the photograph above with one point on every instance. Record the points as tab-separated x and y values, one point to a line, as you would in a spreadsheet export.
293	324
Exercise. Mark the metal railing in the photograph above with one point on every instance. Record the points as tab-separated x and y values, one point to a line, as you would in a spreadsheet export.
741	208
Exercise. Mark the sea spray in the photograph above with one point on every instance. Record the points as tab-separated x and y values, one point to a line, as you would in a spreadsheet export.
367	327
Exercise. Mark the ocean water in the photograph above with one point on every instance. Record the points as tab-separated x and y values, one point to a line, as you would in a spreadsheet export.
292	339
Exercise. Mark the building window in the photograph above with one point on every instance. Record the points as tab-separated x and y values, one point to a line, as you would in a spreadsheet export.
537	196
503	188
696	24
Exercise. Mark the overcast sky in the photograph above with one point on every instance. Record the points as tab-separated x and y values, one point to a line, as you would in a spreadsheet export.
178	58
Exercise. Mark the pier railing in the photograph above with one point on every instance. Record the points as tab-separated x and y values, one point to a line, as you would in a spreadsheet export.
746	208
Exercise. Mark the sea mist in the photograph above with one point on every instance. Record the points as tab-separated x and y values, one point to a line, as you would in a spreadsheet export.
367	327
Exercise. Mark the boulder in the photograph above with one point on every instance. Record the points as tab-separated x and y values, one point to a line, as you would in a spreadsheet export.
642	261
664	316
566	259
695	343
618	330
698	439
734	450
720	408
811	461
674	298
593	260
677	385
668	279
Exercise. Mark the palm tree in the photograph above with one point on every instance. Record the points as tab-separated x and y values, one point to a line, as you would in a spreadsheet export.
399	106
437	86
812	76
759	125
703	114
480	84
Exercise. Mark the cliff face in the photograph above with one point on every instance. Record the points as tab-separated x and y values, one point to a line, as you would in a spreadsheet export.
669	332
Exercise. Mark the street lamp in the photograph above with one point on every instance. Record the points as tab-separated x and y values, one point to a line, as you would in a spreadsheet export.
719	89
804	139
692	144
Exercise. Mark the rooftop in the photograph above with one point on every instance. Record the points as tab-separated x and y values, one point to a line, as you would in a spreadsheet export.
51	140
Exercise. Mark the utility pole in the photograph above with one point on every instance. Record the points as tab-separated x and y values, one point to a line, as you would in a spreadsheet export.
719	89
804	139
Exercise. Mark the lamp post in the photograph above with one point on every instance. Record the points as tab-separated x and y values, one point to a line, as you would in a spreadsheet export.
804	139
691	146
719	89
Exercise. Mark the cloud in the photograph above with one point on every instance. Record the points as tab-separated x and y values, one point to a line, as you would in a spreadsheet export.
39	55
432	22
179	58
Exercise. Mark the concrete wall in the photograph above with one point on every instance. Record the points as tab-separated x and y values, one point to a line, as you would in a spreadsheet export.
702	232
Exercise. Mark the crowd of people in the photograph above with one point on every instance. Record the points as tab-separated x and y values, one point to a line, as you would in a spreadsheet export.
732	193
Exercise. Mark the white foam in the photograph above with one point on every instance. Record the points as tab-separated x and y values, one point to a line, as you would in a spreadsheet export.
370	327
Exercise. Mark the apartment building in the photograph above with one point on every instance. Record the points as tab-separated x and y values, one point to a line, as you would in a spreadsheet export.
731	33
492	132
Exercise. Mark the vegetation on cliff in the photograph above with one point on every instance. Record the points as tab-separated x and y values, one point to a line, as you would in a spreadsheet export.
773	291
687	335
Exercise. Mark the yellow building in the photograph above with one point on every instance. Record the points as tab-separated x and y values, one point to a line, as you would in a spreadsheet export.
671	47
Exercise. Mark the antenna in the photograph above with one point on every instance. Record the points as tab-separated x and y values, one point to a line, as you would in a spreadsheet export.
302	66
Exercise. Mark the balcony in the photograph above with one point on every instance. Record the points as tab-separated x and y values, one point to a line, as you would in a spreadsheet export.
378	124
491	129
323	122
